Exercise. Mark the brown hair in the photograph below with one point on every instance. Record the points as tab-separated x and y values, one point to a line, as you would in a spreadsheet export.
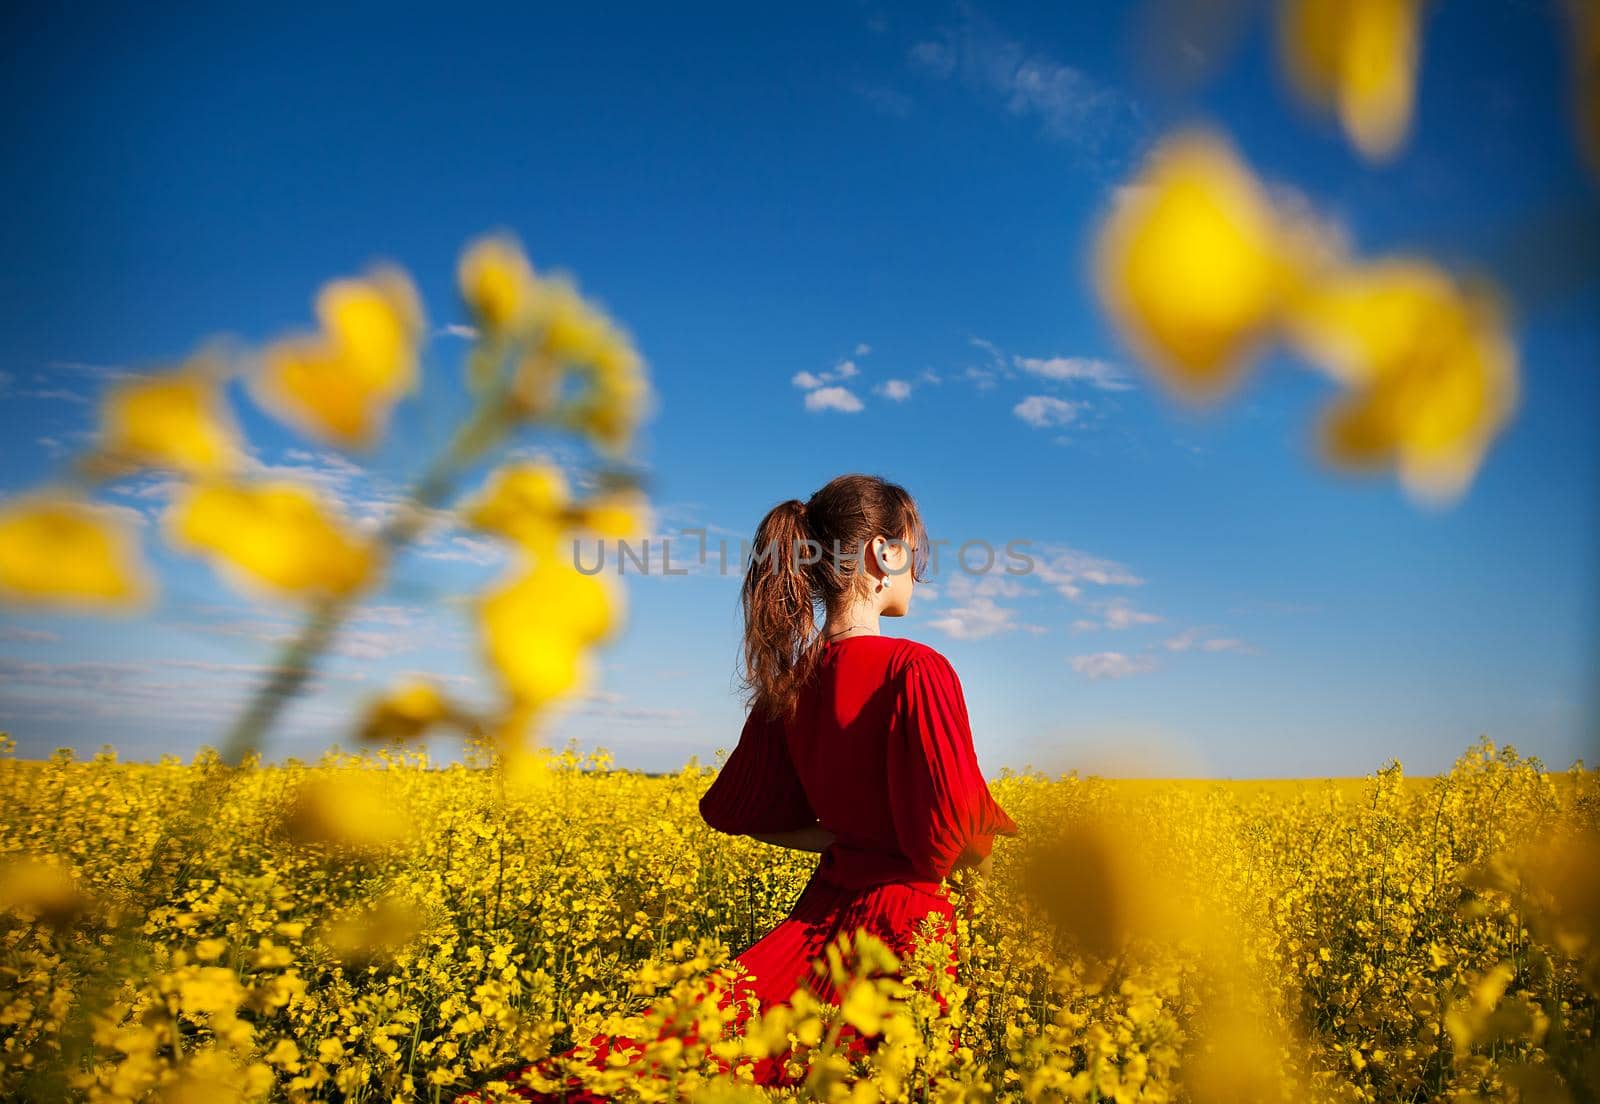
807	558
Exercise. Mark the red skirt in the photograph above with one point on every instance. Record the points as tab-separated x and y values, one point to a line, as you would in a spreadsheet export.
783	961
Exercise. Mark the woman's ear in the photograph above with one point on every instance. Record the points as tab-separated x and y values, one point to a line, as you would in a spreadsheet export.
880	555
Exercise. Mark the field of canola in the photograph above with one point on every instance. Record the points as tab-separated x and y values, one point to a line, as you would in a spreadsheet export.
380	928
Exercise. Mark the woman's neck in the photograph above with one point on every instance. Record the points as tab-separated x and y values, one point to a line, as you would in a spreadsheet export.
860	619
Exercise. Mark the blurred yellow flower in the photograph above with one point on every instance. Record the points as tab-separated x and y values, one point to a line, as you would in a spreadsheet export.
498	283
276	535
1584	17
1101	888
618	398
374	931
618	514
405	712
1359	58
1191	264
341	384
176	420
577	335
60	550
1432	370
1235	1057
354	810
526	502
43	889
536	630
573	330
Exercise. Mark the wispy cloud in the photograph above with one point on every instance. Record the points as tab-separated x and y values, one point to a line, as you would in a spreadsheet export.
1119	614
1197	639
1070	106
1101	374
884	100
1068	570
1112	665
1045	411
896	390
977	614
18	634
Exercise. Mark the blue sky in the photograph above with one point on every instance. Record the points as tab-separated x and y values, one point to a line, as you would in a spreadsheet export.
759	193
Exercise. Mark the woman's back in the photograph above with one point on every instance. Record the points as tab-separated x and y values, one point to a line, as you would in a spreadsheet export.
879	752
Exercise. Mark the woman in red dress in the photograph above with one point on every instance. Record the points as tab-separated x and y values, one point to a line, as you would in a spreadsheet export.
857	745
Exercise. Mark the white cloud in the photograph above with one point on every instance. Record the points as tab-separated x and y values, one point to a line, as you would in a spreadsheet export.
1101	374
1070	106
18	634
863	349
976	614
1042	411
821	396
1120	615
898	390
979	618
456	329
833	398
988	584
1195	638
1067	569
461	548
1112	665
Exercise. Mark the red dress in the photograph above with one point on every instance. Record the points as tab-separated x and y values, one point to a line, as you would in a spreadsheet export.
880	753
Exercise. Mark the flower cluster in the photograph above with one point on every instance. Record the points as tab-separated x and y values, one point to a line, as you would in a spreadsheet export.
543	357
1203	269
1378	939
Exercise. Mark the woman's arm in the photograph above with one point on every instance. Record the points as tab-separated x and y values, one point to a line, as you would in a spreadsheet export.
814	838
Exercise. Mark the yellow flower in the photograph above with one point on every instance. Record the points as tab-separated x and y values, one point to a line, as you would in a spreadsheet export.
618	398
864	1007
41	889
574	331
1191	265
1358	57
578	335
1584	17
405	712
1433	372
536	629
376	930
207	989
351	810
276	535
498	283
177	420
618	514
341	384
526	502
60	550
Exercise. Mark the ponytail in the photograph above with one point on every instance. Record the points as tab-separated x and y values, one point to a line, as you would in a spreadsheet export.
789	579
780	626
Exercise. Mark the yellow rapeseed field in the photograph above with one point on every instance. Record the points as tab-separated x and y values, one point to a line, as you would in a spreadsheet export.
1376	939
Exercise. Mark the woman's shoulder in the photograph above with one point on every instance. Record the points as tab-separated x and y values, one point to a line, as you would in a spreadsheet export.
907	655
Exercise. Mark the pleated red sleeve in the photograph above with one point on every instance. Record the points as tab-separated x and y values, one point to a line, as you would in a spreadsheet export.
940	802
757	789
